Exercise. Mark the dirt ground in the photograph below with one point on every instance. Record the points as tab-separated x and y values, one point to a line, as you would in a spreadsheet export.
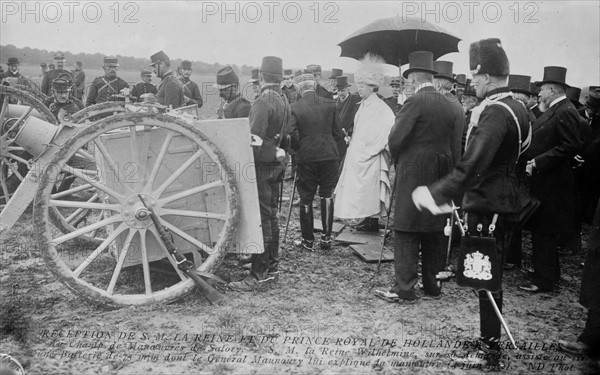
321	317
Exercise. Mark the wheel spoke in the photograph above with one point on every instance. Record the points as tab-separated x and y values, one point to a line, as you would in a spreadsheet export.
145	264
86	229
72	217
70	191
122	256
80	204
100	249
15	171
16	158
83	154
192	191
198	214
169	256
5	190
187	237
112	165
80	174
15	148
158	162
3	111
175	175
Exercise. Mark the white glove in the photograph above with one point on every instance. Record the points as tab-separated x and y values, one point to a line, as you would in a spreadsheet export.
255	140
422	198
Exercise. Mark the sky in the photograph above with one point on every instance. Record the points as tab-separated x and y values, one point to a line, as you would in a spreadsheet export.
533	33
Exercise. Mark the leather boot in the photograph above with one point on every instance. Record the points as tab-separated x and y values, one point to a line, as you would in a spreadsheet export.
307	226
327	222
370	224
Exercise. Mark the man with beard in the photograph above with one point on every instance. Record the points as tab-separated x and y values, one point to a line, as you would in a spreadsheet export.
555	141
233	104
534	100
191	91
108	88
170	91
144	89
61	103
79	77
53	73
14	76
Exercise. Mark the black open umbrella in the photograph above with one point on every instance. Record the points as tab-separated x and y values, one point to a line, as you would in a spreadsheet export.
395	38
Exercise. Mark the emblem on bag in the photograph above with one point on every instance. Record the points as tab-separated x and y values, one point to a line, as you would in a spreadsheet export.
478	266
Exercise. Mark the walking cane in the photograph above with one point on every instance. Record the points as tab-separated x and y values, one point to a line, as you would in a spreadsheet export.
287	222
280	196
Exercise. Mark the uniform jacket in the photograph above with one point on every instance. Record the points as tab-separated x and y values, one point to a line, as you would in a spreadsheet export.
555	141
49	77
191	92
486	173
425	145
104	89
316	132
170	91
346	110
269	113
363	186
236	108
79	80
72	106
142	88
291	93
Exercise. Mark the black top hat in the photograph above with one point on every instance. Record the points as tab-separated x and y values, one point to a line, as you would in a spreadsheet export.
158	57
487	56
59	56
226	77
593	100
444	69
519	83
336	73
272	65
420	61
461	79
12	61
573	93
554	74
534	89
469	89
342	82
111	61
186	64
254	77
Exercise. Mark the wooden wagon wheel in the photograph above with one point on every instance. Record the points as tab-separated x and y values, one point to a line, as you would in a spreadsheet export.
100	272
13	158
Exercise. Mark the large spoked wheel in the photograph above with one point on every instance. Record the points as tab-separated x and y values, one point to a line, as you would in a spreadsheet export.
97	112
179	174
13	158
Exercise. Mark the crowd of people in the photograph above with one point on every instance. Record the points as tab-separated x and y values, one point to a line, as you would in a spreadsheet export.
511	153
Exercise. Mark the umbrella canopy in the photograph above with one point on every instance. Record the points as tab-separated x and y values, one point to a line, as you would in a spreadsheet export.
395	38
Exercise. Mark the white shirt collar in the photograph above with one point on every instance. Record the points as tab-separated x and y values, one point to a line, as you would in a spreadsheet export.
560	98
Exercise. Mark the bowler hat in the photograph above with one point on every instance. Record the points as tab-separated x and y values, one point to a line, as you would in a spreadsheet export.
254	76
469	89
593	100
396	81
554	74
111	61
420	61
461	79
534	89
59	56
519	83
12	61
146	72
444	69
158	57
487	56
272	65
336	73
226	77
342	82
573	94
314	68
186	64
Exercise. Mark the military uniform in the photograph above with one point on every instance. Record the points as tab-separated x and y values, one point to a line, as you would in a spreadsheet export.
71	106
104	89
49	77
79	83
142	88
170	91
236	108
392	102
191	91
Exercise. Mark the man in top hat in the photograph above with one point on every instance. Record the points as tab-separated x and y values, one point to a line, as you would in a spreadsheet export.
397	99
425	145
79	77
519	85
469	101
534	100
59	63
62	103
573	94
315	70
109	87
190	88
269	121
332	83
233	104
316	136
144	90
461	84
170	91
254	85
346	105
288	87
445	83
485	175
555	141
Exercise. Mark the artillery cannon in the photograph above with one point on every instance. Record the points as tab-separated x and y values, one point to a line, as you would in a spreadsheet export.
197	177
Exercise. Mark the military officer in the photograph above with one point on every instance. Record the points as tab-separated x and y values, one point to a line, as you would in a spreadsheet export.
79	77
59	69
397	90
170	91
145	87
61	102
233	105
108	87
321	90
190	88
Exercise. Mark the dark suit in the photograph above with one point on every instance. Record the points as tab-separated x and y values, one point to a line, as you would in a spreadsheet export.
555	141
322	92
346	110
191	92
235	108
425	145
170	91
392	102
486	176
142	88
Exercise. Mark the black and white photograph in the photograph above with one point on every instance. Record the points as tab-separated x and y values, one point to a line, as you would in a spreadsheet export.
299	187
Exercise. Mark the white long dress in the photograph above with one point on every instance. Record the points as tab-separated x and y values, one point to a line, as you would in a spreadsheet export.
363	189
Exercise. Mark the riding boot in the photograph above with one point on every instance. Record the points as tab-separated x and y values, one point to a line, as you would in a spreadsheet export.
327	222
307	226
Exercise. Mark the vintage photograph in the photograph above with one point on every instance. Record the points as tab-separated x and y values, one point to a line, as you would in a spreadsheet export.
299	187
